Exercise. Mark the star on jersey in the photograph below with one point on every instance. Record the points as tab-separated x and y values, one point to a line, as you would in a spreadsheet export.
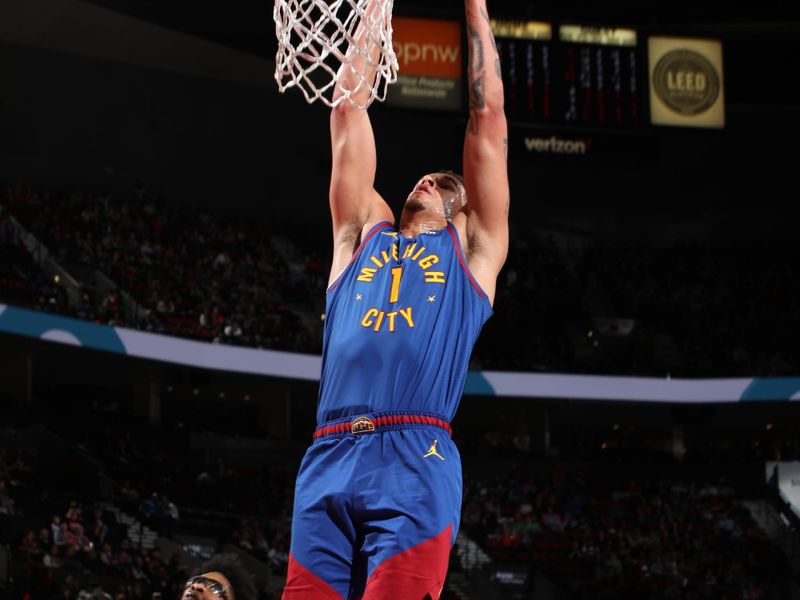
359	297
431	298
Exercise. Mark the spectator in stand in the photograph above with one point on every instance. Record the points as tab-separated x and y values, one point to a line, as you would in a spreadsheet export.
40	579
70	540
6	502
169	509
29	543
72	559
657	539
151	510
94	592
222	577
99	531
52	560
69	589
699	309
55	531
44	538
129	495
74	514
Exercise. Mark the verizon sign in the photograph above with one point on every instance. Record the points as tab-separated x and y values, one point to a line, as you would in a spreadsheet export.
429	55
573	146
557	145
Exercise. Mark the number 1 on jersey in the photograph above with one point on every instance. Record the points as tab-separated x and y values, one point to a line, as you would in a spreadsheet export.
397	275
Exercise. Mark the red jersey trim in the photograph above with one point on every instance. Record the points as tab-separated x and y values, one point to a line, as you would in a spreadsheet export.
384	422
457	244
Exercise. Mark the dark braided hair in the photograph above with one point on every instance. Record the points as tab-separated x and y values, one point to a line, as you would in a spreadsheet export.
235	572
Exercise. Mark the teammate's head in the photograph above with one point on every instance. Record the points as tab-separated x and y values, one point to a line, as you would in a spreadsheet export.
441	193
223	577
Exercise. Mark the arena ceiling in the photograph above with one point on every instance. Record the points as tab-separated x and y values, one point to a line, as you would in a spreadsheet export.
248	25
758	40
234	42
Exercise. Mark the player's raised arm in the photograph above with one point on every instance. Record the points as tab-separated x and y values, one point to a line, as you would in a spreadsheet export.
353	200
485	152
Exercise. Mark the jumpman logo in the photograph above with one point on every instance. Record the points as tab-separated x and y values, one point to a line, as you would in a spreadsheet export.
433	452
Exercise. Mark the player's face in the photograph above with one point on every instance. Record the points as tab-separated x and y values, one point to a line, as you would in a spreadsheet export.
440	191
208	586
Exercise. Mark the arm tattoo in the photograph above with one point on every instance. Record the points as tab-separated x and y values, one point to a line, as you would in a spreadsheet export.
485	15
476	64
494	44
477	98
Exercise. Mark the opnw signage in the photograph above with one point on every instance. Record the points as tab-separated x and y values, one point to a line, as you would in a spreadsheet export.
686	82
430	60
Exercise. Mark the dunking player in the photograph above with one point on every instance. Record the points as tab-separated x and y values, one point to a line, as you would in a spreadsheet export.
378	496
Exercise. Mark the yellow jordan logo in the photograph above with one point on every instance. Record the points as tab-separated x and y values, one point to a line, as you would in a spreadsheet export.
433	452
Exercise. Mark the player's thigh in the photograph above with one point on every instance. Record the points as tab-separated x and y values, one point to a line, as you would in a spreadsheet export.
414	574
413	517
323	536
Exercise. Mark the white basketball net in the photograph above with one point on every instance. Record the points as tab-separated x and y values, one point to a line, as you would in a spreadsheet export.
315	37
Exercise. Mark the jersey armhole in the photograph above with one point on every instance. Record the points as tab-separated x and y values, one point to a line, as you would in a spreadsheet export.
375	228
462	261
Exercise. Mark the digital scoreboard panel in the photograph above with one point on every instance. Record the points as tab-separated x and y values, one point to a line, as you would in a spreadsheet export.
571	75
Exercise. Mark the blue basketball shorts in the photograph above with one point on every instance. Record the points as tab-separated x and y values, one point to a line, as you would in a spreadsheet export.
376	510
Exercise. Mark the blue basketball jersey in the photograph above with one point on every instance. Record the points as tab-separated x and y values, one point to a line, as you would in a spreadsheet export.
401	322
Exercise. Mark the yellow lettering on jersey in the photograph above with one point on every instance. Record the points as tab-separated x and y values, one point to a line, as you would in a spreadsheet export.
376	319
397	275
394	252
367	321
434	276
367	273
407	316
391	317
385	256
420	251
409	249
379	321
429	260
376	261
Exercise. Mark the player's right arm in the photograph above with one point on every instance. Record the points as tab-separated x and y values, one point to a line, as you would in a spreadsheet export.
355	205
485	153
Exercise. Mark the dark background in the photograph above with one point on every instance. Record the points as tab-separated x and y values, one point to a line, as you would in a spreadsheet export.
88	103
97	96
72	113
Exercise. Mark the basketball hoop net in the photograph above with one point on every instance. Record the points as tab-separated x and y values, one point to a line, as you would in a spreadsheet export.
317	37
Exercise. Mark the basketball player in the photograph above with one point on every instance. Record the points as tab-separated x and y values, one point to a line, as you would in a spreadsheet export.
378	495
222	577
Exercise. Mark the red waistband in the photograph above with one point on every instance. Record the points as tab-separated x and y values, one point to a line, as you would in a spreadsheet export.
364	424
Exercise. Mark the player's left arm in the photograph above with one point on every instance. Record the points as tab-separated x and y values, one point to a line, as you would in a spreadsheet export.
485	153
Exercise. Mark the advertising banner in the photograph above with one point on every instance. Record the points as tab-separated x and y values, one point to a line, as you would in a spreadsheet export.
291	365
686	82
430	59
